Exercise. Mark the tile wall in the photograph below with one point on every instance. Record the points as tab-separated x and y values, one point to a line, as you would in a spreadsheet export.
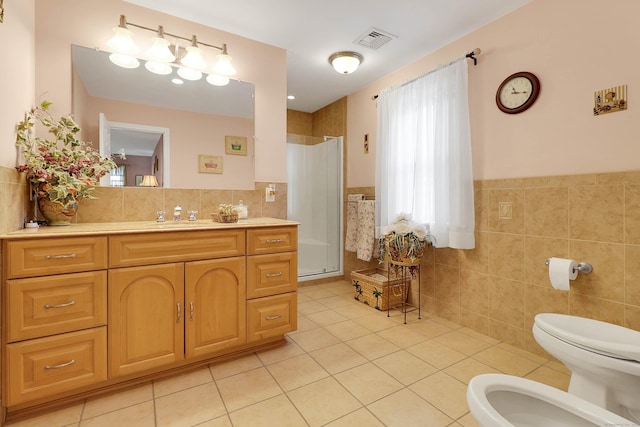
498	287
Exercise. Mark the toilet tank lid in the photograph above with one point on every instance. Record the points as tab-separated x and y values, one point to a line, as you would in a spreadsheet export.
599	336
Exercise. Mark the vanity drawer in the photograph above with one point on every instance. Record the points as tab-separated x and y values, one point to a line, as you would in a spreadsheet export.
272	274
41	257
271	316
55	304
48	366
154	248
272	240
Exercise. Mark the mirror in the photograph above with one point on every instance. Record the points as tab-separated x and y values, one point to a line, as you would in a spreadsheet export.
148	116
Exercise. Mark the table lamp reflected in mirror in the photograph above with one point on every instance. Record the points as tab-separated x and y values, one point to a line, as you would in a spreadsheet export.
149	181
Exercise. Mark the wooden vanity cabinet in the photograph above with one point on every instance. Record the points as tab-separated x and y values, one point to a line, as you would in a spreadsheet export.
114	307
54	316
272	282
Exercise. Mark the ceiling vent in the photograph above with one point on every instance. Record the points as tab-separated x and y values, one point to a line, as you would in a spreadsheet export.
374	38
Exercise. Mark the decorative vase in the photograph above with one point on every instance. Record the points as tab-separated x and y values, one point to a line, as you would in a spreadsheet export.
55	213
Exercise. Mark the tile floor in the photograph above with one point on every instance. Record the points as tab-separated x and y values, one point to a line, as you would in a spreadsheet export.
346	365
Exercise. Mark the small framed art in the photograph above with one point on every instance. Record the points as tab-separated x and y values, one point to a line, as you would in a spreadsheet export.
138	180
235	145
209	164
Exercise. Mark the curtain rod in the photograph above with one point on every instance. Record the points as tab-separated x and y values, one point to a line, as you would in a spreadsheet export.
470	55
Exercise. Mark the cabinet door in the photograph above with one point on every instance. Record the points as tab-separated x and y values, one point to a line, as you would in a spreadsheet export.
146	312
216	305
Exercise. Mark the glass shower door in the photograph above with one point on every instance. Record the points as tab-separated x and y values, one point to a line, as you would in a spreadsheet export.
314	175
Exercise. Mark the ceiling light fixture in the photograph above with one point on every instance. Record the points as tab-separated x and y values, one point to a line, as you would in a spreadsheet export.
346	62
160	59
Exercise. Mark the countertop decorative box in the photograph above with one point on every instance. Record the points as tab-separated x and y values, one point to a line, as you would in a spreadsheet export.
372	287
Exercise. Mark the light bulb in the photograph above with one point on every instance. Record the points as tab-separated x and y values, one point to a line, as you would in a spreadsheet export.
161	68
217	80
122	41
124	61
189	74
159	51
223	65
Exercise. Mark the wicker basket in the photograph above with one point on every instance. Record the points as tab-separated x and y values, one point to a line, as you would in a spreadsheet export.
367	283
218	217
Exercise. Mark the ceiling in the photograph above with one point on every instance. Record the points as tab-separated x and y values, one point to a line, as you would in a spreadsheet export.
310	31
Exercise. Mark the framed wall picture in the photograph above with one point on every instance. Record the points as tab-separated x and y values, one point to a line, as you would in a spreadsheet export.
209	164
138	180
235	145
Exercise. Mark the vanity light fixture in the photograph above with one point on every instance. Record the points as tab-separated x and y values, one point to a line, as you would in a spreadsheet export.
160	59
346	62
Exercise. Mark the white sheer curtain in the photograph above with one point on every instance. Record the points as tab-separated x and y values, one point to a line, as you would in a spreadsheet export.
423	155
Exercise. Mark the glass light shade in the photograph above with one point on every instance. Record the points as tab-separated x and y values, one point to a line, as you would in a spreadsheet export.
193	59
345	62
189	74
159	51
149	181
223	65
124	61
177	81
217	80
161	68
122	41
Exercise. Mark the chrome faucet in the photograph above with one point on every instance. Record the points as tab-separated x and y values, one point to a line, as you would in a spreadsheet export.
160	217
192	215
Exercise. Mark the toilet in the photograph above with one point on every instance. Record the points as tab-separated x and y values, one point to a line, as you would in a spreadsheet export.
499	400
604	359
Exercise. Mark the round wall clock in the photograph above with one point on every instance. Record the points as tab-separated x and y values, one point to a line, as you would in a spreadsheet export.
517	92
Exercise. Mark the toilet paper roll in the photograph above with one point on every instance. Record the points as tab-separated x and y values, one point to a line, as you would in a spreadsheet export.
561	271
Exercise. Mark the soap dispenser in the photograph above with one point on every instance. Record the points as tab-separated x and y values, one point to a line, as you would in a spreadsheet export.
243	210
177	213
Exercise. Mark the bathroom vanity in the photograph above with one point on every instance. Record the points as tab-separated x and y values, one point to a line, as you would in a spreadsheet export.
89	308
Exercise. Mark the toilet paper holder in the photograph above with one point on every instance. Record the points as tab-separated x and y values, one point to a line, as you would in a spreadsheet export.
582	267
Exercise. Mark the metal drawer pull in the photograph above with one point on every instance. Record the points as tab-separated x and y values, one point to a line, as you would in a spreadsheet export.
72	302
276	317
61	256
62	365
275	274
179	314
191	310
274	240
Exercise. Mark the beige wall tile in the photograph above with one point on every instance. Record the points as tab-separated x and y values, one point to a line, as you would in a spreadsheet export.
540	299
477	259
506	256
447	256
547	212
477	322
507	333
142	204
108	207
481	211
210	200
447	284
596	213
506	211
188	199
632	317
537	251
474	292
596	308
607	278
632	274
632	214
506	301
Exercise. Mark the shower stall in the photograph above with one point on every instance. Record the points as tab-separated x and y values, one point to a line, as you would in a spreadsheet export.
314	176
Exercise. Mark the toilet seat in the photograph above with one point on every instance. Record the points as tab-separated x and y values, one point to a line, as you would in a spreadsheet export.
592	335
499	400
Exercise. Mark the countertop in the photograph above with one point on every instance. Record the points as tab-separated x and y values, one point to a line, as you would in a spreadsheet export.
103	228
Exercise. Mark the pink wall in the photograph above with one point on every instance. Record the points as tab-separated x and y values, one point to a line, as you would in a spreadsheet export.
61	23
575	47
17	80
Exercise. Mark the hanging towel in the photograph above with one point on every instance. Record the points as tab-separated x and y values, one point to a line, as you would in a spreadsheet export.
351	243
366	229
